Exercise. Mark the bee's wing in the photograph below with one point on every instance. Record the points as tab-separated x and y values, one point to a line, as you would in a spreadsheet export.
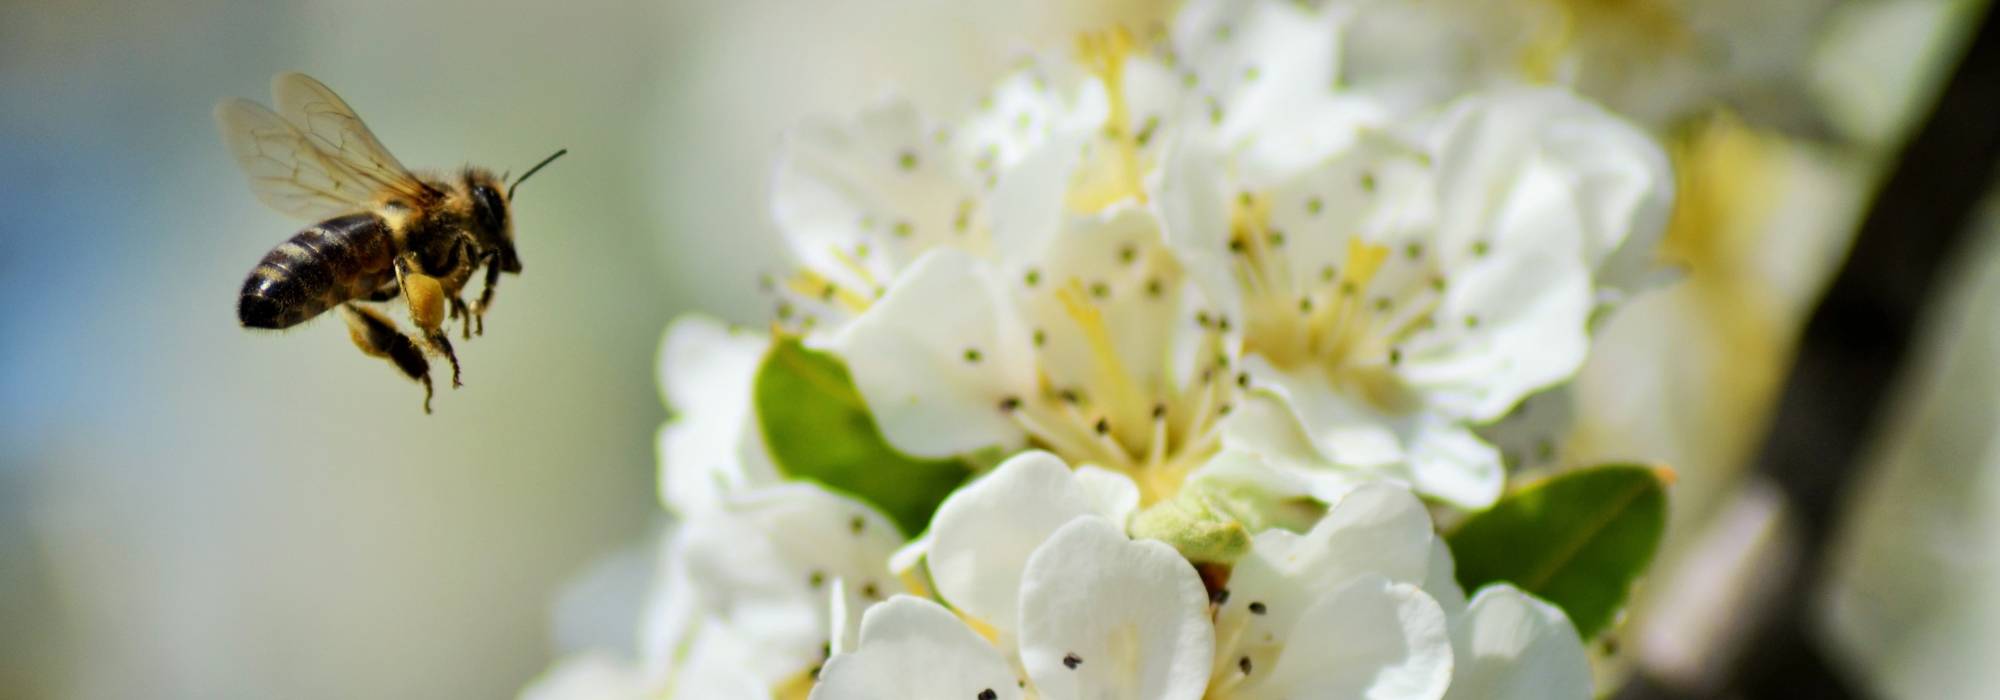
316	161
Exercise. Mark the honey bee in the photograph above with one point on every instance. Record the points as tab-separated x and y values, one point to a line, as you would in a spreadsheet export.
383	231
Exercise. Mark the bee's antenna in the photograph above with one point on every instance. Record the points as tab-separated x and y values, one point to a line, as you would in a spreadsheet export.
531	171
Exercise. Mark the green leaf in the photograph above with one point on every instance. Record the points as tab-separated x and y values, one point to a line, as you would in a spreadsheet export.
1577	540
818	428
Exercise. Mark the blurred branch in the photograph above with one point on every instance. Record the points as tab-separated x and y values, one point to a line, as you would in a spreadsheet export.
1852	352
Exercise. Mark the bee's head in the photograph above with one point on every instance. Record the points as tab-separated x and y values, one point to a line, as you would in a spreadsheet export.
490	213
492	222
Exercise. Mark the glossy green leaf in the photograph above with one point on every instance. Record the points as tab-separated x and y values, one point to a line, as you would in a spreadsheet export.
1577	540
818	428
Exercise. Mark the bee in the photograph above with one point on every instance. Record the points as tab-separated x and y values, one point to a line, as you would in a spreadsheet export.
383	232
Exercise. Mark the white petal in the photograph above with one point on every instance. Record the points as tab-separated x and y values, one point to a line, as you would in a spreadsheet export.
1027	208
1098	277
1193	199
935	356
589	676
840	618
984	532
1618	175
762	565
1514	320
1112	495
712	445
1263	426
914	649
1107	617
1375	530
1441	581
1370	639
1532	435
1024	112
1346	430
1431	453
1449	462
1269	68
1512	646
721	664
883	183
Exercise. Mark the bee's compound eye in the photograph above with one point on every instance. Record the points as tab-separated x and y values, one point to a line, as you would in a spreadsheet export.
487	209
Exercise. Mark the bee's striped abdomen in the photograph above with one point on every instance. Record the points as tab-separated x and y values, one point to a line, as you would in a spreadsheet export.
327	263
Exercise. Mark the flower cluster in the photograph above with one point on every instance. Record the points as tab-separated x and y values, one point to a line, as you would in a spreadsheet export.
1202	328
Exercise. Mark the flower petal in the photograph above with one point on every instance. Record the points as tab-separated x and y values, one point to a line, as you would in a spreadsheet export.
914	649
1346	430
1103	616
984	533
1108	279
588	676
1515	317
1450	462
761	567
712	445
1618	175
871	194
1375	530
1372	638
1441	581
1512	646
1263	426
1265	69
935	356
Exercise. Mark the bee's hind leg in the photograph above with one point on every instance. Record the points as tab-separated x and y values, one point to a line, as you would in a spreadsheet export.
427	307
377	336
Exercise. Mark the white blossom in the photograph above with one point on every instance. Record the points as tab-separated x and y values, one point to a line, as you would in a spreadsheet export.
1049	598
711	445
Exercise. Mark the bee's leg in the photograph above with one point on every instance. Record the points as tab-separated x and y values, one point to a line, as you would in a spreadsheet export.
492	263
459	311
454	282
377	336
426	298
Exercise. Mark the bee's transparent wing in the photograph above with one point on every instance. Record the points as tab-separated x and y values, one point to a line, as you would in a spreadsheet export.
316	161
338	132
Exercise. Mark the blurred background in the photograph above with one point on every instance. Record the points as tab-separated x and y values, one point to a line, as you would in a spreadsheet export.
191	510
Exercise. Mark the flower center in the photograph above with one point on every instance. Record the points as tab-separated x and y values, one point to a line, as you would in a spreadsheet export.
1353	319
1117	399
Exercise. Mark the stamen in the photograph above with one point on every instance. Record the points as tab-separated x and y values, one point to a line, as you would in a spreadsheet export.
812	285
1111	381
1107	178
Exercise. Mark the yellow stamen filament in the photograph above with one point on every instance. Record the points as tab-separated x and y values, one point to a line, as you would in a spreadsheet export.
813	285
1350	320
1143	426
1112	174
860	271
1111	383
